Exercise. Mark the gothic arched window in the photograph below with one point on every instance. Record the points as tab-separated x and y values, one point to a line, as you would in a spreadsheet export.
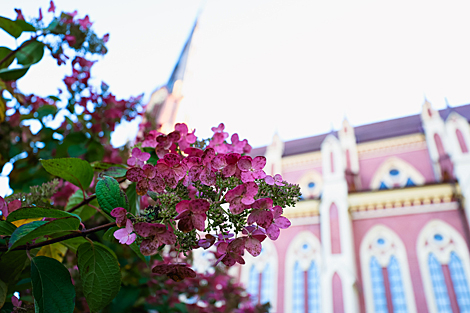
385	273
302	274
259	275
445	267
394	173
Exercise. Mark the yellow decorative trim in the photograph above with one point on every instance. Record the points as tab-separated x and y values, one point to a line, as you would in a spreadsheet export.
417	141
303	209
383	199
301	159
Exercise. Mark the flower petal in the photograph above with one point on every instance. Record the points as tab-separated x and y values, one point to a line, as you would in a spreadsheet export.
253	246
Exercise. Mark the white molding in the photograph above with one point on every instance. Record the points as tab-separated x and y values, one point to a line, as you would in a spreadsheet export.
392	246
294	253
308	220
452	242
311	176
406	210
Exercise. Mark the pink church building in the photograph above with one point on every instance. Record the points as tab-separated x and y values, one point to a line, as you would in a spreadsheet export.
383	225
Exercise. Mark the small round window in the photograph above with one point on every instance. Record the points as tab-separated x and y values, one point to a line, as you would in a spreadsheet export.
438	237
394	172
381	241
311	184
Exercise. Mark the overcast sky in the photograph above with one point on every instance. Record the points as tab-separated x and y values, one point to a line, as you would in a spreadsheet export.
296	66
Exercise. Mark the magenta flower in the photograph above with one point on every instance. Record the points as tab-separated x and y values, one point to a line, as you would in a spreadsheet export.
277	179
231	168
177	272
70	40
192	214
7	208
231	253
146	178
121	216
125	235
254	239
171	169
19	15
85	22
186	138
280	222
157	235
16	302
51	7
220	129
261	213
150	139
218	143
251	168
207	242
138	158
40	15
241	196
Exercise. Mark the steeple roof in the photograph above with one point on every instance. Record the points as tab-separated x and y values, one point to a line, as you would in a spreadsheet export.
180	67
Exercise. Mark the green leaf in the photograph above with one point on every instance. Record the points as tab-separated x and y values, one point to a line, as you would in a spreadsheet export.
102	166
6	228
28	232
4	51
7	74
110	195
109	234
100	274
12	264
136	249
45	110
55	250
7	308
25	26
94	151
77	171
31	52
134	202
10	27
3	293
74	243
85	211
53	290
26	213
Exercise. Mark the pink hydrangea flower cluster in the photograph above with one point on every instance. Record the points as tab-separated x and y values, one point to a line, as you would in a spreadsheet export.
189	181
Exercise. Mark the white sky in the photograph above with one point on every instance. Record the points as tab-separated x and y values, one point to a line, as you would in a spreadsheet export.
296	66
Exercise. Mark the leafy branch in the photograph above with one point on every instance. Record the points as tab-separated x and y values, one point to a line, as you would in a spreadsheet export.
81	233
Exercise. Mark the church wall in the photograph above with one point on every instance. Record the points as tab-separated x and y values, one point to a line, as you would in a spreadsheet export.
408	228
419	159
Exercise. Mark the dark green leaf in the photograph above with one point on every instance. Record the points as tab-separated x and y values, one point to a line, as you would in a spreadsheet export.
45	110
110	195
74	243
109	234
10	27
12	264
100	274
25	26
7	308
3	293
94	151
76	171
31	52
30	231
136	249
6	228
4	51
56	99
53	290
85	211
102	166
134	202
25	213
7	74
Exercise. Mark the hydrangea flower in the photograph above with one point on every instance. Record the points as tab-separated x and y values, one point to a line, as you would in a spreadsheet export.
251	168
277	179
125	235
192	214
138	158
254	239
280	222
157	235
171	169
241	196
177	272
261	213
121	216
186	138
231	253
7	208
146	178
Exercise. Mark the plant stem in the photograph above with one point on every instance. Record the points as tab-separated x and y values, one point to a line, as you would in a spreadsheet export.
75	234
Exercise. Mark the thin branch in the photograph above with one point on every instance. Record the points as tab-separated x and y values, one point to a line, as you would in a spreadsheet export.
75	234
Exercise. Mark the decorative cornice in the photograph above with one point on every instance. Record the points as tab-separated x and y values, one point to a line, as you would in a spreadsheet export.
305	208
416	141
301	159
403	197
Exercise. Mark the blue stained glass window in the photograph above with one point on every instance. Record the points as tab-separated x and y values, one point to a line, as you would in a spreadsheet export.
438	237
410	183
381	241
266	285
396	286
460	283
253	284
378	287
313	289
439	285
311	184
394	172
383	186
298	291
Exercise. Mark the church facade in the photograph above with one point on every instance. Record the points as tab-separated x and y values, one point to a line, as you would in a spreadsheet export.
383	223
